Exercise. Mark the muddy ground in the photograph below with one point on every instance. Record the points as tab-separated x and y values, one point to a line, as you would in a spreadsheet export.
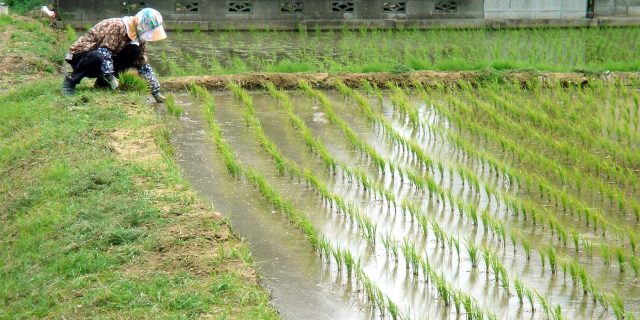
426	78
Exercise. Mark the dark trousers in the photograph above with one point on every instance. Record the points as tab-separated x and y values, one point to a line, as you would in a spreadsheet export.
89	64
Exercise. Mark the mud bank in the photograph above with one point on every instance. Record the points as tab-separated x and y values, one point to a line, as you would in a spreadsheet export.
426	78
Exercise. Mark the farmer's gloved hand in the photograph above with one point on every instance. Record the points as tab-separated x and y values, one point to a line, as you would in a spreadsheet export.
160	98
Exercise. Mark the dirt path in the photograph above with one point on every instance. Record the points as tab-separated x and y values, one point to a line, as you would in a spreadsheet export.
429	78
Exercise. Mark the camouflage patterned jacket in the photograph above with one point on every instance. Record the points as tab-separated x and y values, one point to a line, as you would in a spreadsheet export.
110	34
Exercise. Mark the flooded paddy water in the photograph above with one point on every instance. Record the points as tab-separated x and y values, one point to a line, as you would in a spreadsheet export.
444	220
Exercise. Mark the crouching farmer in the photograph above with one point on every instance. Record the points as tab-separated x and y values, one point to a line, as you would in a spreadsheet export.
113	46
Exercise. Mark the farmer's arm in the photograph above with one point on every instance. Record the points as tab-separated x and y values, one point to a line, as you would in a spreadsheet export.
145	71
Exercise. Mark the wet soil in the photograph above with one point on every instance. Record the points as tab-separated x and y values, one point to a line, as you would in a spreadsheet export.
426	78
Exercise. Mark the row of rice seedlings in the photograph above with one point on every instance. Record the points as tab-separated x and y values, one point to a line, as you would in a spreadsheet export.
537	115
555	259
283	165
440	50
230	162
335	120
441	237
342	257
407	144
416	264
590	214
605	189
611	126
492	262
554	225
562	234
466	174
320	148
412	259
574	129
468	210
498	228
568	149
249	114
400	101
544	187
612	117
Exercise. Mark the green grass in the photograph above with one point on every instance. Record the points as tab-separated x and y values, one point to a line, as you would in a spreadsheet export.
74	217
23	6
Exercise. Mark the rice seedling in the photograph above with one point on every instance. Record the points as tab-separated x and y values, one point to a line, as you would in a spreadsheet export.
473	251
553	259
132	82
635	265
621	257
173	109
605	252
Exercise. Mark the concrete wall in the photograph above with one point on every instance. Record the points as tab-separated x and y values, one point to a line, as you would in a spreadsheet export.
257	10
535	9
291	14
617	8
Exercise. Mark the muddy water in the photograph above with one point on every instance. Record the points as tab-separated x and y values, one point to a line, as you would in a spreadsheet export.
289	267
301	287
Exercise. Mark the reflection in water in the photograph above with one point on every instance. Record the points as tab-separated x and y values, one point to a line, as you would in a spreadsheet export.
291	269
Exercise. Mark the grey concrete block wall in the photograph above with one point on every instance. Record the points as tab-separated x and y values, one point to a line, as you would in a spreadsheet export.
207	14
221	10
617	8
535	9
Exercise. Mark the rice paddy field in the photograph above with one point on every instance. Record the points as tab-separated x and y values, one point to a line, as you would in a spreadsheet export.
486	200
363	50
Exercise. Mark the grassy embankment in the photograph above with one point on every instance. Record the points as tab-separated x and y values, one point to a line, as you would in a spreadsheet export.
95	218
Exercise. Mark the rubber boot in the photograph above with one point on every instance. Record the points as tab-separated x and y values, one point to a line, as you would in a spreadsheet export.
110	80
68	87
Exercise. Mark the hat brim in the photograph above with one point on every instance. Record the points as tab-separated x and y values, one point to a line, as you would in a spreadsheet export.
156	34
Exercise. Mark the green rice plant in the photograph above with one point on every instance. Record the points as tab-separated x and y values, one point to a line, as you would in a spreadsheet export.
565	267
514	240
617	306
526	245
588	247
349	262
605	252
553	259
443	290
621	257
173	109
542	257
519	290
633	241
635	265
473	252
576	239
529	294
557	313
544	302
132	82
